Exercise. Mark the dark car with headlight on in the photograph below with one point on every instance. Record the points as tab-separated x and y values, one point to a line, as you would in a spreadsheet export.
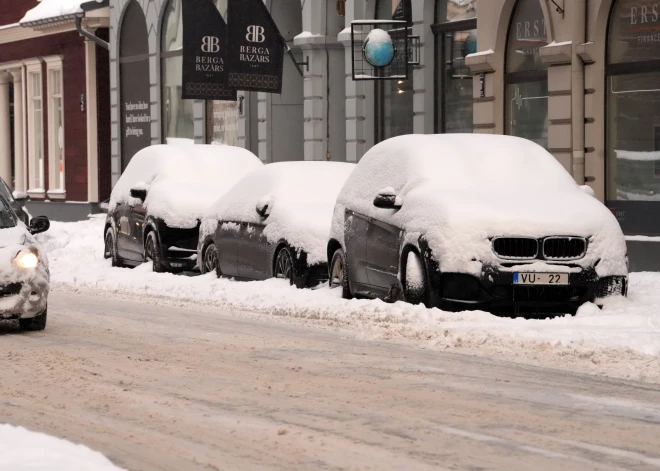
24	275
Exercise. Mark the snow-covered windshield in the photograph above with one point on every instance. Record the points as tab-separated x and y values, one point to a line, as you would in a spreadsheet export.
7	218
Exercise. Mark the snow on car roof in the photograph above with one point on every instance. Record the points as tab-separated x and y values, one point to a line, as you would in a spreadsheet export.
183	181
301	198
458	190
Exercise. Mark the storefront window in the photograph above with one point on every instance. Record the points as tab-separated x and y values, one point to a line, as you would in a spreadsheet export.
394	98
633	115
177	113
222	122
456	31
526	94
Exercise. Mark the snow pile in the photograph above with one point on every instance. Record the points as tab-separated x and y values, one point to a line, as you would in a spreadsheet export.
613	341
300	197
23	450
183	181
48	9
459	190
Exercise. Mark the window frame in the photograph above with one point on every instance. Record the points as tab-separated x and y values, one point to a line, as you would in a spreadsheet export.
54	64
35	67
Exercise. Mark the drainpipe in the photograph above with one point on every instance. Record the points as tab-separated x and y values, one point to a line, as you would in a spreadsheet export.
577	93
88	35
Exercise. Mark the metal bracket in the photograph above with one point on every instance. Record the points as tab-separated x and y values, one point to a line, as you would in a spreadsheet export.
559	9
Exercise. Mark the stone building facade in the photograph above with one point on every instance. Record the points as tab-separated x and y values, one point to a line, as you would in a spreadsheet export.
579	77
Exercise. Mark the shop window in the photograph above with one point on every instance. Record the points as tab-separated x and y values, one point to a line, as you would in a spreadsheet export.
633	115
526	79
55	127
456	37
135	96
394	98
35	128
177	114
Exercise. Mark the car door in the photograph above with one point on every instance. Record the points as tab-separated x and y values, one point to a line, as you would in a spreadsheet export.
355	241
137	219
383	246
125	248
226	242
253	263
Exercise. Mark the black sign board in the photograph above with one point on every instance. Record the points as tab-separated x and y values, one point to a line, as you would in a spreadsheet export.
255	55
205	52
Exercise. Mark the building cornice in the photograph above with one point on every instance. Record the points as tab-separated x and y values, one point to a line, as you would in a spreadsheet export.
17	32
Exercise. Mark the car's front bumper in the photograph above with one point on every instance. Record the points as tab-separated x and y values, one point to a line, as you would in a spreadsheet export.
494	291
178	246
23	300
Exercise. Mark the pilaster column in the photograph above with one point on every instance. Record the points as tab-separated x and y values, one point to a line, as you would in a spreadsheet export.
5	130
19	134
92	124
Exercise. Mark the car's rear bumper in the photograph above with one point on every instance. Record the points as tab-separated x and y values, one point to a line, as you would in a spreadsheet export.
494	291
23	300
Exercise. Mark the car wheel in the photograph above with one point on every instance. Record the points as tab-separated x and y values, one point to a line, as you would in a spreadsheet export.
339	274
415	287
210	261
34	324
284	265
110	250
152	252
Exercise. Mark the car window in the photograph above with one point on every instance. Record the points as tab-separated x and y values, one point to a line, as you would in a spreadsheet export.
7	217
4	191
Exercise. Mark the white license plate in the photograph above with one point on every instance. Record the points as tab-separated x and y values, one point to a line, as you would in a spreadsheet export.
540	278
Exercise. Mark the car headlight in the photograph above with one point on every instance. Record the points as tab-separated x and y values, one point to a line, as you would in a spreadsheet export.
27	259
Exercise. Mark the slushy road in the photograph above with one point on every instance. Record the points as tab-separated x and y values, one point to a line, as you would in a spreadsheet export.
171	388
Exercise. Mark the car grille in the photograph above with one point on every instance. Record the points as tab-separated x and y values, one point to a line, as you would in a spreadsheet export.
10	289
549	294
516	247
564	248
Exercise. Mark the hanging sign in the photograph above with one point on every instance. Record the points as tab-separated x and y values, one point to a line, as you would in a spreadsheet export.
205	53
255	55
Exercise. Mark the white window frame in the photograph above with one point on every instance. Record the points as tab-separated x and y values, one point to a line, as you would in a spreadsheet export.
54	64
36	187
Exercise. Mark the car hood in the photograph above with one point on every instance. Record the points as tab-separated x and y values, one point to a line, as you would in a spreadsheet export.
14	236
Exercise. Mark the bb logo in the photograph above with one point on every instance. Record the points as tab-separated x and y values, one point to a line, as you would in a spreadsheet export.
210	44
255	34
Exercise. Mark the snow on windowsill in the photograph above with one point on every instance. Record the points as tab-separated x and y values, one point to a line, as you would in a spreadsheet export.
57	194
559	44
481	53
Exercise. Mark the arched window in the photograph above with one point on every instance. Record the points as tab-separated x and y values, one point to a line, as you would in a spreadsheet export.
526	79
177	114
633	114
456	37
134	98
394	98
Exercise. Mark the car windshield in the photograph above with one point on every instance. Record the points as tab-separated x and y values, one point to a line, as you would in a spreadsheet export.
4	191
7	218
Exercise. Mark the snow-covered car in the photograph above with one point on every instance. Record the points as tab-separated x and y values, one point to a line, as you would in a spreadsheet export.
469	221
156	207
274	223
24	275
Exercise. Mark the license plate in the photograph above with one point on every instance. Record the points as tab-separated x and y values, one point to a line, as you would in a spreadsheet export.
540	278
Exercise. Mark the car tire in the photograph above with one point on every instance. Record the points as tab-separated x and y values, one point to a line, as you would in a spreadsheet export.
210	261
338	274
284	268
110	248
35	323
152	252
415	286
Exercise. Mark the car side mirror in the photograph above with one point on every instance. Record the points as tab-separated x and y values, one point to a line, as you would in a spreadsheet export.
39	224
262	210
21	197
139	193
386	201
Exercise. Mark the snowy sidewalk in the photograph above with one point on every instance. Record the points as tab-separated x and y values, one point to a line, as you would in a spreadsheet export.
621	340
23	450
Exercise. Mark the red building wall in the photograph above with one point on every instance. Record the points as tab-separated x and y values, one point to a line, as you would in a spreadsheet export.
12	11
72	49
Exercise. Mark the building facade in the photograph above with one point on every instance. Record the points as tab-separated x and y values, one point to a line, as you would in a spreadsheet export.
54	108
579	77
